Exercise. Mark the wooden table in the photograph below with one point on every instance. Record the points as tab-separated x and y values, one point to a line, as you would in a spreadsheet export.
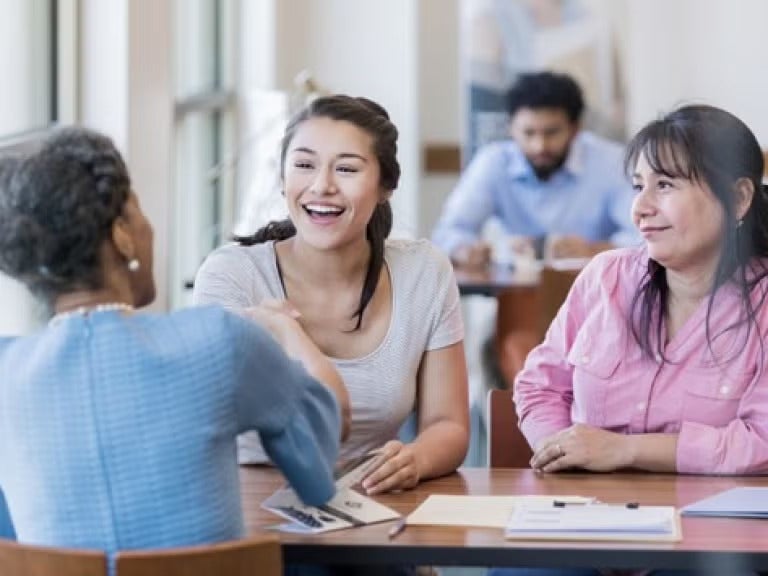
719	545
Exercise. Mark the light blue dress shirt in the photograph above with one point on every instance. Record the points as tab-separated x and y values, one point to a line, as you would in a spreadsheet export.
119	432
590	196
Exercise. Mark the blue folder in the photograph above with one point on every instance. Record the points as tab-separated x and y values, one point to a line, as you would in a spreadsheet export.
744	502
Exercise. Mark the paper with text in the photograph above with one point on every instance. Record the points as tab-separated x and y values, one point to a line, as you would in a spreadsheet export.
348	507
594	522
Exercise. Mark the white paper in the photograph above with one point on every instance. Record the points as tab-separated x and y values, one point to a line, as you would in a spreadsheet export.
480	511
594	518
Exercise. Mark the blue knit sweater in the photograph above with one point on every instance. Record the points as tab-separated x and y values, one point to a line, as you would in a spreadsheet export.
118	432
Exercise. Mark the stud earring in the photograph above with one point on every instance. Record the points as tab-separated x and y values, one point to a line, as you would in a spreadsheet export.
134	265
739	223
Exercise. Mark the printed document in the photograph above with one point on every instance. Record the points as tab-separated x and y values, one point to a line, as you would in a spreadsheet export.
594	522
349	507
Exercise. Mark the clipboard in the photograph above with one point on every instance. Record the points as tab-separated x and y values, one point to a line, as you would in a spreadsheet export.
594	522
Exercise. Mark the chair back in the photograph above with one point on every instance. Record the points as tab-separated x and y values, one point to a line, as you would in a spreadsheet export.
25	560
258	555
554	285
507	447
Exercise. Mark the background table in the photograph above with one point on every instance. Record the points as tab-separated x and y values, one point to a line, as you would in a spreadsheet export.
719	545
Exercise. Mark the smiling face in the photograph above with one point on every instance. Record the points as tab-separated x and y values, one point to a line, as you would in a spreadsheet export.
331	177
681	220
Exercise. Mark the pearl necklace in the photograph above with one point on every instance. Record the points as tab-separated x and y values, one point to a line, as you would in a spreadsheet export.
85	310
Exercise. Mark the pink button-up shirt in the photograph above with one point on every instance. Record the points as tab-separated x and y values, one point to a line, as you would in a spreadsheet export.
590	370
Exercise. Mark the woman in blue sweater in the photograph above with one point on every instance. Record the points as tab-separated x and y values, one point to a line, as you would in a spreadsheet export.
117	428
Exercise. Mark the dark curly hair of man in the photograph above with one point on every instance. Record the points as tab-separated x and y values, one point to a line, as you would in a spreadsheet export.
536	90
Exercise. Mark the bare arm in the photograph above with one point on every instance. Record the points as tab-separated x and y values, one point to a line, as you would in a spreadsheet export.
443	436
443	411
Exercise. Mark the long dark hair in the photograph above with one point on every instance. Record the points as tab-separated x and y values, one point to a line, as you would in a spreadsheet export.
707	145
374	120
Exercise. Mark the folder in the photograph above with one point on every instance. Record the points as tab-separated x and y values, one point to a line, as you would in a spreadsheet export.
595	522
742	502
348	508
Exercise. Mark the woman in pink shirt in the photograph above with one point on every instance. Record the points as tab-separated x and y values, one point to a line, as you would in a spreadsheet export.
656	359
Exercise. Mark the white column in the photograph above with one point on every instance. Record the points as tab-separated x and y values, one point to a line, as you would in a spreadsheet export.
127	93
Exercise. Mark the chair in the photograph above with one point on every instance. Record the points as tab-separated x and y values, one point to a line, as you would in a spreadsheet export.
507	447
554	285
26	560
260	555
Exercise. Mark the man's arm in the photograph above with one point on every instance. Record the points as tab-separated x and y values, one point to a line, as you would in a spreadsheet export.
470	204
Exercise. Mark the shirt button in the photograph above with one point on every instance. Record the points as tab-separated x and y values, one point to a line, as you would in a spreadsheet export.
657	358
724	390
640	406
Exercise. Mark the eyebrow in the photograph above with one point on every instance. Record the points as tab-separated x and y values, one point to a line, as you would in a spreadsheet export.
342	155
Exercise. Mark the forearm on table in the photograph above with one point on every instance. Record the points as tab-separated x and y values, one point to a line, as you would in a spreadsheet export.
440	448
652	452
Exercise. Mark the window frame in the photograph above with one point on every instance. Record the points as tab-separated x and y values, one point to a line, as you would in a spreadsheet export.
63	82
220	103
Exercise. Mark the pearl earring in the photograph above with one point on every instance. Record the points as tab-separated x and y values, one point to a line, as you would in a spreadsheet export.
134	265
739	223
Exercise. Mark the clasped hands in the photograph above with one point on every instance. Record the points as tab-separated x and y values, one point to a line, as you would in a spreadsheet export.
584	447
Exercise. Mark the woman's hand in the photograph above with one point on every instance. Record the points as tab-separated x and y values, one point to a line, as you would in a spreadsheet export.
398	469
582	446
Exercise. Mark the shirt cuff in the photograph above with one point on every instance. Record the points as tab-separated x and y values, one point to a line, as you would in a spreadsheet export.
697	449
534	432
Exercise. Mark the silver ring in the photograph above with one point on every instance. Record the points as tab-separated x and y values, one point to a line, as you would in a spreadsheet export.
560	451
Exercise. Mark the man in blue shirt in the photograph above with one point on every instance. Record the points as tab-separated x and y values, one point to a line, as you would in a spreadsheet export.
551	181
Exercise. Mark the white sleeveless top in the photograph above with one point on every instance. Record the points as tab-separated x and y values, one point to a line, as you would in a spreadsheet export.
426	315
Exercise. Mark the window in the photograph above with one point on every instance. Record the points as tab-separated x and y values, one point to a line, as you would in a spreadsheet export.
205	121
38	67
38	60
27	59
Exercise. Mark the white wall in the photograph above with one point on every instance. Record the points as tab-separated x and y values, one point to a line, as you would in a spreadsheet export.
439	94
363	48
127	92
706	51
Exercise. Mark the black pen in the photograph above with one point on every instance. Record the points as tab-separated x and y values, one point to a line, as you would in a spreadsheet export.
562	504
397	528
